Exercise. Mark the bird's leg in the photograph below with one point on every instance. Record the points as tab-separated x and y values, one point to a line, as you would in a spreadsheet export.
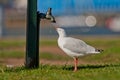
75	64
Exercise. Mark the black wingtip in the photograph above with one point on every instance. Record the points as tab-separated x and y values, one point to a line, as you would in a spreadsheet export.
99	50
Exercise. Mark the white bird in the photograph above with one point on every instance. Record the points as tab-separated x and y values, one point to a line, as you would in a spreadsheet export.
74	47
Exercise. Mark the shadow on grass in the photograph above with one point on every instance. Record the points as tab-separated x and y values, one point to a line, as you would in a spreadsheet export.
91	66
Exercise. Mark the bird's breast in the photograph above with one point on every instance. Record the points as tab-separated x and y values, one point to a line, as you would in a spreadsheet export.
60	42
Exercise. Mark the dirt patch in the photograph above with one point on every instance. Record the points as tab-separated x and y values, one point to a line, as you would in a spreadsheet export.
20	62
52	49
61	62
12	62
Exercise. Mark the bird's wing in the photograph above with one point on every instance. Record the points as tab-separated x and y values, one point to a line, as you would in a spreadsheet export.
75	45
90	49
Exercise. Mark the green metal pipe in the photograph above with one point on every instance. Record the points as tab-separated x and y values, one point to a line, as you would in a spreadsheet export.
32	36
32	33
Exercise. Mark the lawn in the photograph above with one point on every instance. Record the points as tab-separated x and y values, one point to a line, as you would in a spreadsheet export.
56	72
105	66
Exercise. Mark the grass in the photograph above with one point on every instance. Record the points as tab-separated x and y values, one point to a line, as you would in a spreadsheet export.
47	72
46	42
6	43
10	48
86	72
105	66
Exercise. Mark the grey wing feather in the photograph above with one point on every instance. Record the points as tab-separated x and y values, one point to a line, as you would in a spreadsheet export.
90	49
75	45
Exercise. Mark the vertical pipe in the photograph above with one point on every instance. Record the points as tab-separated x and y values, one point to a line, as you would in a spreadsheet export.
32	36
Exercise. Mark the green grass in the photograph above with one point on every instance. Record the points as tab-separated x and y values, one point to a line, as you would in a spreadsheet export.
6	43
105	66
86	72
46	42
54	72
11	54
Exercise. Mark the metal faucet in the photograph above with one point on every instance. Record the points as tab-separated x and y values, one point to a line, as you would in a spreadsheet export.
47	16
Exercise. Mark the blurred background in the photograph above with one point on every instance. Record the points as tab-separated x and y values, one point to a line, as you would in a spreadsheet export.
12	18
78	17
94	21
85	17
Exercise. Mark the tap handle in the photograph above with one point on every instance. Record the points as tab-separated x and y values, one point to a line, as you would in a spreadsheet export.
49	15
49	11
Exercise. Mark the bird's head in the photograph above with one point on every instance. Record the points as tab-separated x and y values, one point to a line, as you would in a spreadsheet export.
61	32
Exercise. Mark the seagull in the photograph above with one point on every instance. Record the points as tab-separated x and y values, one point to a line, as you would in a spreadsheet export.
74	47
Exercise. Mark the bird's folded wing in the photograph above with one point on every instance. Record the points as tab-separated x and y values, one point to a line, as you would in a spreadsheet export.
75	45
90	49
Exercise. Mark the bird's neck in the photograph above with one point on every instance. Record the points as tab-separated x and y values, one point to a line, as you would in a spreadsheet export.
62	35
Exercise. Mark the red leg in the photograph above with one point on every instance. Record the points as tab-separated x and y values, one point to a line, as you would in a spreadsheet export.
75	64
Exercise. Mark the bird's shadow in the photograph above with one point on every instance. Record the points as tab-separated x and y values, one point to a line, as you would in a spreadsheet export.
97	66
